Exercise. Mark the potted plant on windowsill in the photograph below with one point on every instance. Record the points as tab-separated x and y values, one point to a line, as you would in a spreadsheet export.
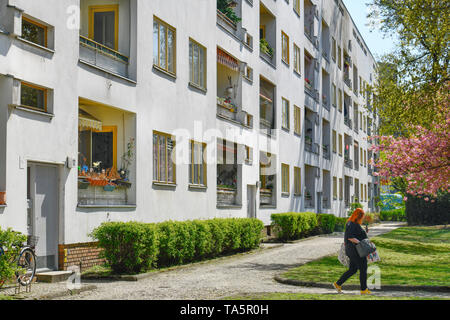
2	198
265	47
226	7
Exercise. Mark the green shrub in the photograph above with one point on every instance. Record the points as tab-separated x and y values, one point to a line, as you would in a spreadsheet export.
294	225
393	215
129	247
173	242
326	222
11	242
353	207
340	224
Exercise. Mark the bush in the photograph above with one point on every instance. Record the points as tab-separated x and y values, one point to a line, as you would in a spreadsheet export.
353	207
11	242
421	212
129	247
393	215
292	226
326	223
173	242
340	224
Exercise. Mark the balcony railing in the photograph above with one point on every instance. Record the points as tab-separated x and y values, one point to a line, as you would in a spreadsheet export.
326	203
311	147
348	122
101	56
348	163
348	82
326	152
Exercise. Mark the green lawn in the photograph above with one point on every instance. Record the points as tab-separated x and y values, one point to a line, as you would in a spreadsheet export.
409	256
308	296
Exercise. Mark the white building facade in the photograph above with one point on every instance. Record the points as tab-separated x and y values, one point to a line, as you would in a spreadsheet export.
133	110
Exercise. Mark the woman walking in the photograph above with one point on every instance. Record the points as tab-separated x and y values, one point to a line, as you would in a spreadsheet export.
354	233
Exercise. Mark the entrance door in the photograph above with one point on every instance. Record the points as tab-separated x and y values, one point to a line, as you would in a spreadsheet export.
43	213
251	201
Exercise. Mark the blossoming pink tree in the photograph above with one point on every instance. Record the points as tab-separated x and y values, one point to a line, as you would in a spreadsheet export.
422	159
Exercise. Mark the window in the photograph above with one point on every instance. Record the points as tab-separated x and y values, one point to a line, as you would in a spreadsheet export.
362	191
297	59
248	154
361	156
333	49
365	158
285	47
99	146
334	142
297	120
360	120
197	167
164	46
340	100
197	64
284	178
104	25
339	57
285	115
248	73
334	188
341	189
163	166
262	32
297	181
365	192
340	145
33	97
34	32
333	95
365	124
297	6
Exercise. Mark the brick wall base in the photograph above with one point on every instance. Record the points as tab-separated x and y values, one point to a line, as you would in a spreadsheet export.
83	255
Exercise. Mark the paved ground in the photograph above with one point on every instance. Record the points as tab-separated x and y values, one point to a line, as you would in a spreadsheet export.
251	273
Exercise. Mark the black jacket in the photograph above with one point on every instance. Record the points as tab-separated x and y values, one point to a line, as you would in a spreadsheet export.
353	230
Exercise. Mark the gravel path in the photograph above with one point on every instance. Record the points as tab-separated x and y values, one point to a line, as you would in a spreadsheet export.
243	274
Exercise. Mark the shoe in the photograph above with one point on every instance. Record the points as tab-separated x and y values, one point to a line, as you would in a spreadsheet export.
366	292
337	287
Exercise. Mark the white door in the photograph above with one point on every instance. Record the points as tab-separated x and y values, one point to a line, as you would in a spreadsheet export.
251	201
43	203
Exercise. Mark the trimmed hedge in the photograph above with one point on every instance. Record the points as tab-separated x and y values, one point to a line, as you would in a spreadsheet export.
340	224
393	215
327	222
421	212
294	225
132	247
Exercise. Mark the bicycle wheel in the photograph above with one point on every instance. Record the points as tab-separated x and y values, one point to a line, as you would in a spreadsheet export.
26	261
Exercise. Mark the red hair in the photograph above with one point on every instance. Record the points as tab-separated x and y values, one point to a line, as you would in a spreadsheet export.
357	216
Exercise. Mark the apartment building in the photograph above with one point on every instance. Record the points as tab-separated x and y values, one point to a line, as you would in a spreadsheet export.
121	110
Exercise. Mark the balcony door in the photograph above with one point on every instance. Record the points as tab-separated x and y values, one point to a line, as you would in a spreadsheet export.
104	25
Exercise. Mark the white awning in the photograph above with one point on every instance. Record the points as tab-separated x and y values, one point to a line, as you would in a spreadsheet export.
86	121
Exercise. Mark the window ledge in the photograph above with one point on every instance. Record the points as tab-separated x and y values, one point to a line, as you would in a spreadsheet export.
297	73
197	186
162	184
285	194
106	206
297	134
26	109
164	71
287	130
249	162
229	206
196	86
267	206
297	194
35	45
248	79
107	71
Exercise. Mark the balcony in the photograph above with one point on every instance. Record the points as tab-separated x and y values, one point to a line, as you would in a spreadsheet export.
267	35
104	36
228	180
267	177
311	146
348	81
100	182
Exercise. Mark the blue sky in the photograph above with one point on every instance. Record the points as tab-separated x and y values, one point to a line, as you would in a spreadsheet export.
374	39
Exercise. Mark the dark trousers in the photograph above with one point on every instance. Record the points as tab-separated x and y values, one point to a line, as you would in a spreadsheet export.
356	263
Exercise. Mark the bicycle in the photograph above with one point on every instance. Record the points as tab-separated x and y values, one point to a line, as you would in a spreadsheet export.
25	260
